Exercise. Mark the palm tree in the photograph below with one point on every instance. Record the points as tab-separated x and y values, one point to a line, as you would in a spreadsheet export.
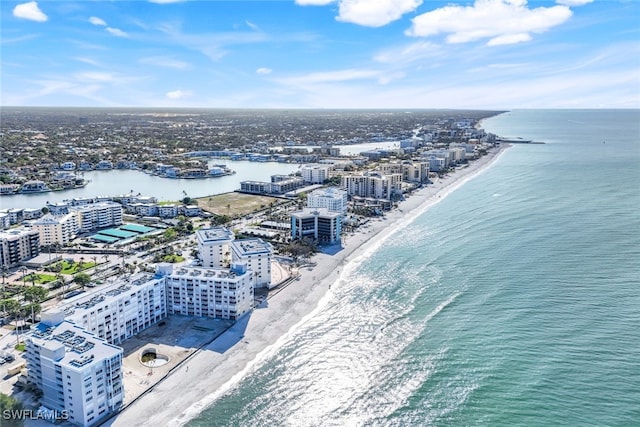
35	295
14	309
24	270
82	279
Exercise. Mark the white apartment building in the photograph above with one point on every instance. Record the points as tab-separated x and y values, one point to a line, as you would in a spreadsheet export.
57	229
95	216
17	245
214	246
78	373
257	255
5	221
168	211
411	171
210	292
315	174
436	164
318	224
373	185
333	199
121	310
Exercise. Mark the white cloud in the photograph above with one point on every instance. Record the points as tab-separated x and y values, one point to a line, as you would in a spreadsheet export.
93	76
97	21
509	39
573	2
368	13
330	77
117	32
409	53
374	13
88	61
500	21
264	70
165	61
29	11
178	94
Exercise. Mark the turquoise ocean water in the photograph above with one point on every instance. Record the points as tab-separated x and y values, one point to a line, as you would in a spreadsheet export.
515	301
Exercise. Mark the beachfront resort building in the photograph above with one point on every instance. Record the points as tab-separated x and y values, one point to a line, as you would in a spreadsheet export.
373	185
60	229
18	245
219	249
72	355
411	171
209	292
257	255
333	199
121	310
214	246
79	374
319	224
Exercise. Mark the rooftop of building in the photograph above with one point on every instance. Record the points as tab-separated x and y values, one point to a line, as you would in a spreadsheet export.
310	212
81	347
215	234
251	247
78	305
208	273
328	192
16	232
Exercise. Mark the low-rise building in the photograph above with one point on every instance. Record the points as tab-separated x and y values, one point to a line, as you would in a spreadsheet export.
168	211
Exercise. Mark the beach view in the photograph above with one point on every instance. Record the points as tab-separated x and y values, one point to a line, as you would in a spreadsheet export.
319	212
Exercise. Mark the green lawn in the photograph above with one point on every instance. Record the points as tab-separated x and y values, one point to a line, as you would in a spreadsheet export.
40	279
72	267
173	258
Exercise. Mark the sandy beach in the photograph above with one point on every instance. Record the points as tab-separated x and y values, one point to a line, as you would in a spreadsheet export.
219	366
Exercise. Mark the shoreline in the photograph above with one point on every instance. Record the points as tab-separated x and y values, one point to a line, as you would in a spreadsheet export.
221	365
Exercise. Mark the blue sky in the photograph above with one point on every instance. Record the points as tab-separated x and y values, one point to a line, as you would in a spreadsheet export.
484	54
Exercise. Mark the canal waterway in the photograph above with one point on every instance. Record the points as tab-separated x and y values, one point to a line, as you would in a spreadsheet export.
122	181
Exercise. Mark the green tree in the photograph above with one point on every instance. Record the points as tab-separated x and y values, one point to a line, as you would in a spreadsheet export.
10	403
16	311
82	279
35	295
170	234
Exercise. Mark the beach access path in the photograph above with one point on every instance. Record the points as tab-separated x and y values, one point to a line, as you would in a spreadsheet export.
252	339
